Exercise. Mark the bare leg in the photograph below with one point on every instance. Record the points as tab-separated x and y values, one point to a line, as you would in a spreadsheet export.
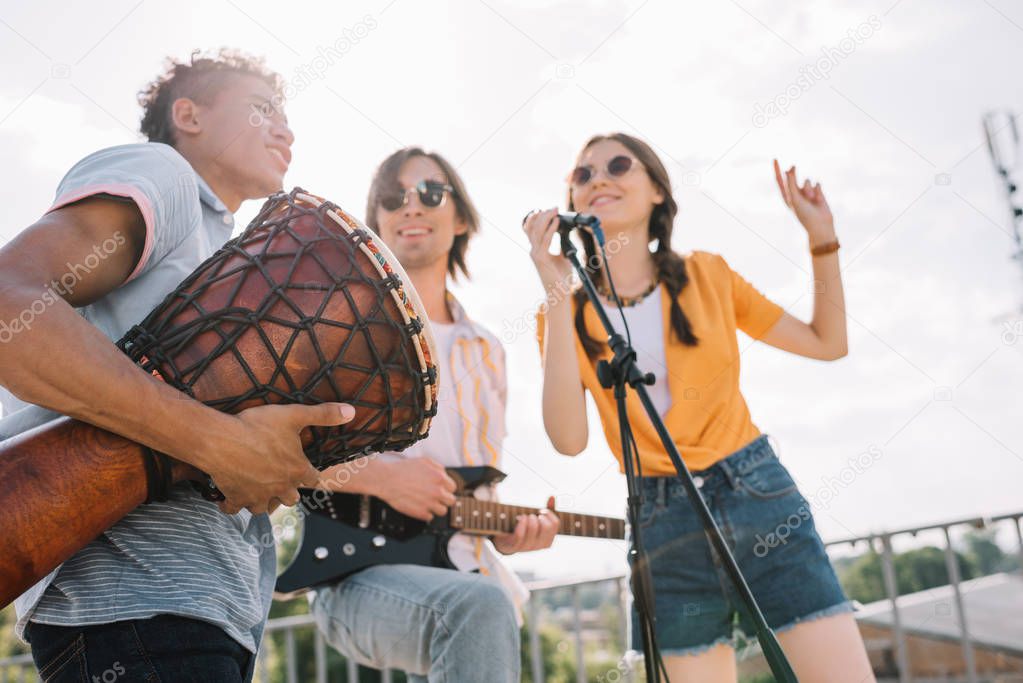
827	650
716	665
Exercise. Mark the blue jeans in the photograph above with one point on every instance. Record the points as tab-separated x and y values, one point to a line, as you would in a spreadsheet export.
768	527
436	625
158	650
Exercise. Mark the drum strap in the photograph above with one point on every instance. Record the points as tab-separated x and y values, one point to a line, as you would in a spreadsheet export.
158	475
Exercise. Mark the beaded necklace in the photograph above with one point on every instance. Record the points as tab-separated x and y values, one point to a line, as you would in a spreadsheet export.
628	301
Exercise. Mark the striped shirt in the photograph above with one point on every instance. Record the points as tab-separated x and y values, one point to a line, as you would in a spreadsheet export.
469	429
183	556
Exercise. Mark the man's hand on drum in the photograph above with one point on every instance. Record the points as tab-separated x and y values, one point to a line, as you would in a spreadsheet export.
259	463
532	532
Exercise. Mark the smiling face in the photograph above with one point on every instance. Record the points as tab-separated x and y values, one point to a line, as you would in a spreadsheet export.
245	137
420	236
621	203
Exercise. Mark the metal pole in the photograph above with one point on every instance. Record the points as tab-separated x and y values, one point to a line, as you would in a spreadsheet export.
580	664
964	633
535	655
261	661
321	658
289	653
625	612
353	671
1019	538
891	588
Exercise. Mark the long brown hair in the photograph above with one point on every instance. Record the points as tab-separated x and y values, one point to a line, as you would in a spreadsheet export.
671	268
386	180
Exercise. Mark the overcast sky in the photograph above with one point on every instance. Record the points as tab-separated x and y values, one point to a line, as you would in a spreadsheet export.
880	101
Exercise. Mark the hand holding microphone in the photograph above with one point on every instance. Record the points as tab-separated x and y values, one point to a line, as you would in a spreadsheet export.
571	220
540	227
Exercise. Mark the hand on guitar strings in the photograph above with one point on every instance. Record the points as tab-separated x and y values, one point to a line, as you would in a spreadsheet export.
417	487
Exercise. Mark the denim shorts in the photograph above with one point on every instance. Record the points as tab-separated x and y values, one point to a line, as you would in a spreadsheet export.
768	526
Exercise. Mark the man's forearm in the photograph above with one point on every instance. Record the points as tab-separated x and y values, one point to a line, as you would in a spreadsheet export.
365	475
60	361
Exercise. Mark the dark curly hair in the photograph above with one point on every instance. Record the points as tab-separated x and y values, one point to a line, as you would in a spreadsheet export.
671	267
199	79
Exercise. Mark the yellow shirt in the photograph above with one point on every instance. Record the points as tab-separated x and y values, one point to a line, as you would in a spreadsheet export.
708	418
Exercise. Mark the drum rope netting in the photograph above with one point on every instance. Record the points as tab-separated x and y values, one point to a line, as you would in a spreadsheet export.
270	242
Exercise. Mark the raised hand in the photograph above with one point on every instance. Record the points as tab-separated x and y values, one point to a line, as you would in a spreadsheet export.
808	203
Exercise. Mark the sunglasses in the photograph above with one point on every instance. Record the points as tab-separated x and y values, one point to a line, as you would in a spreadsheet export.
431	195
616	167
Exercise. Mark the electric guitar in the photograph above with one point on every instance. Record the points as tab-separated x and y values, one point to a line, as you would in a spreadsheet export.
344	533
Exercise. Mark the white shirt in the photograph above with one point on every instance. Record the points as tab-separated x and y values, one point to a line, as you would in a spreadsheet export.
646	324
469	429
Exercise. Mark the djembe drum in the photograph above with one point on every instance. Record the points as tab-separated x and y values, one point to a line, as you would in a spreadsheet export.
305	306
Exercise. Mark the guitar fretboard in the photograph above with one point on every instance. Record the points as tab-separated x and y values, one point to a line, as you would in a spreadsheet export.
484	517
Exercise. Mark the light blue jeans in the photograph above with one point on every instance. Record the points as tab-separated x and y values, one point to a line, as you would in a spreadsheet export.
436	625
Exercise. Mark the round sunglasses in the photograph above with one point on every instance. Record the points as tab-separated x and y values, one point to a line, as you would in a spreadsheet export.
431	195
616	167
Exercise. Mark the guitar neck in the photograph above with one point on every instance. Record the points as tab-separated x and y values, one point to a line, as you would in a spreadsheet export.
485	518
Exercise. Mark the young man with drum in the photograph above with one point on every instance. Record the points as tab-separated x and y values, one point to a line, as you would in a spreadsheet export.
177	590
436	624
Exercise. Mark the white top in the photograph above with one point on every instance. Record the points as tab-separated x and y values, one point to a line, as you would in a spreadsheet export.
469	429
445	436
646	323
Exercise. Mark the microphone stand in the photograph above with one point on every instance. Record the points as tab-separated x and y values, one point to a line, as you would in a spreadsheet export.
620	371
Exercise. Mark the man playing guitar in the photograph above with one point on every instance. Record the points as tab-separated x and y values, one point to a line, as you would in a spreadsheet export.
436	624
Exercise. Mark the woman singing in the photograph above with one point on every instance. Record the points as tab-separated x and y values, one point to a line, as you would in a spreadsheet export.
683	312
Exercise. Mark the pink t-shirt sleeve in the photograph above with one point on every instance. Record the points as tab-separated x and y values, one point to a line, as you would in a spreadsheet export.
154	176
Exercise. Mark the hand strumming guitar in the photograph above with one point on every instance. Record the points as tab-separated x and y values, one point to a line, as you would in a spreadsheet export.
417	487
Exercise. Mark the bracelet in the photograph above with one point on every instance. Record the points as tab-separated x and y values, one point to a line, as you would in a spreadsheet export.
827	248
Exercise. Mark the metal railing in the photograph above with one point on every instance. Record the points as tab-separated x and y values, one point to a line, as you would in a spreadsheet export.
287	628
887	555
21	669
18	668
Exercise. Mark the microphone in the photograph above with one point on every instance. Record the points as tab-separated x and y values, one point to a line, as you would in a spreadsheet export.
571	220
583	221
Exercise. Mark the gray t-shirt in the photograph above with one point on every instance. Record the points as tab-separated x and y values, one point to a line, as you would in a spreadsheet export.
182	556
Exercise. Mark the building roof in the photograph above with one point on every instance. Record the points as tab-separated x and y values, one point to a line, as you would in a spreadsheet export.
993	605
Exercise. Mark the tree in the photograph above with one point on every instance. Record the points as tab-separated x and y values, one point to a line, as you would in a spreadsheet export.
987	557
558	665
915	570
